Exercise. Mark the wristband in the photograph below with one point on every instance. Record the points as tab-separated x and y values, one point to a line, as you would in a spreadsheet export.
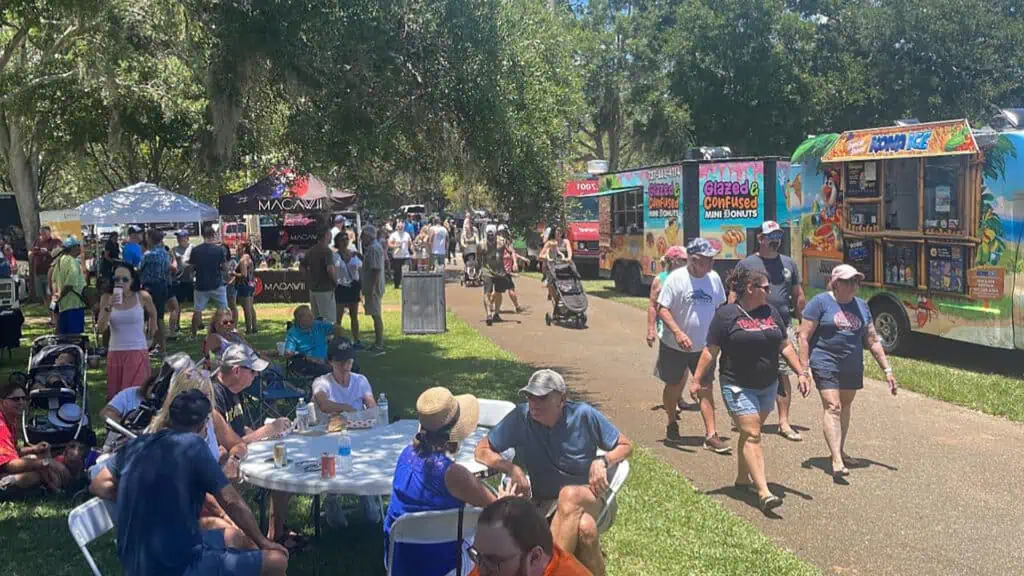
603	457
888	371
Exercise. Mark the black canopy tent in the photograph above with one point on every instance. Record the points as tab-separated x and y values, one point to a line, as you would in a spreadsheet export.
286	191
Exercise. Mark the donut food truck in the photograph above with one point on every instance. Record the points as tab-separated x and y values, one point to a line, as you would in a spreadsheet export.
641	213
932	214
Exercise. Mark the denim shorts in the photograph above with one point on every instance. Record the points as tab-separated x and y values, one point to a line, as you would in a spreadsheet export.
742	401
219	559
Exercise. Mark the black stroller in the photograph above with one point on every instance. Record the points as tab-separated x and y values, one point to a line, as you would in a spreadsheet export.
570	304
57	412
471	271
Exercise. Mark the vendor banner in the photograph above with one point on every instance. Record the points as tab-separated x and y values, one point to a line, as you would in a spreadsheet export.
280	286
913	141
732	200
287	237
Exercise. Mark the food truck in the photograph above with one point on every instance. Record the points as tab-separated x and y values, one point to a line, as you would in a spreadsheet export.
581	223
931	214
641	213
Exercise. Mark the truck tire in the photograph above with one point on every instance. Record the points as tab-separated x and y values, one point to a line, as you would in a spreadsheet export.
635	280
891	324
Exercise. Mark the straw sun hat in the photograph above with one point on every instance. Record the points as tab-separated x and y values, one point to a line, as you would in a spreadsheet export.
439	410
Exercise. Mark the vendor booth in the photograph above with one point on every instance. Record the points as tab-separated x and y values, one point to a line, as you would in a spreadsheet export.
143	203
289	202
929	213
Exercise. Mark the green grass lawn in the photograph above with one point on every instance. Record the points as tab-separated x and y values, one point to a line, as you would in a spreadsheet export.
664	526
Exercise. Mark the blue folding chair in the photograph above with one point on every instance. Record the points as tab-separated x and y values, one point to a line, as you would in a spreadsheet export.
272	397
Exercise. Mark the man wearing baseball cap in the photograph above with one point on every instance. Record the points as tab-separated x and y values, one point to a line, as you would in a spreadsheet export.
492	272
70	283
132	251
557	440
686	305
787	296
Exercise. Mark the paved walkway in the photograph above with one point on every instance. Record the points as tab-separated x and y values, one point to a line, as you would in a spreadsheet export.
941	494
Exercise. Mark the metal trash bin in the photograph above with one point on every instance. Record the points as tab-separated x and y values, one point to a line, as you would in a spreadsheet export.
423	303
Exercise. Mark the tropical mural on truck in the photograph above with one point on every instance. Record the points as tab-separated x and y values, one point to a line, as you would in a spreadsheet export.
990	224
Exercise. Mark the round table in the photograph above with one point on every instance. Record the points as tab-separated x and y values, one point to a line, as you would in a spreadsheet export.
375	453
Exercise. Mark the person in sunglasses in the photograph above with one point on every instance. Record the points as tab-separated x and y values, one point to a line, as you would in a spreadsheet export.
750	334
787	296
512	539
131	316
222	334
25	471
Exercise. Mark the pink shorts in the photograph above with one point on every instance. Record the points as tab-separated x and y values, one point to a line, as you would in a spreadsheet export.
126	368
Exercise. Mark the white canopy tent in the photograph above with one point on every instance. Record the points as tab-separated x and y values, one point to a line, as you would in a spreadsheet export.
143	203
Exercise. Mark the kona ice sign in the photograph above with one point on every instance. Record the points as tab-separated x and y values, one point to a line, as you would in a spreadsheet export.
917	140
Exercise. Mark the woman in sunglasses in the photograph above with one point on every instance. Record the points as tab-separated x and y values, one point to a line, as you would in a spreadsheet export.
836	329
131	317
22	472
222	334
750	335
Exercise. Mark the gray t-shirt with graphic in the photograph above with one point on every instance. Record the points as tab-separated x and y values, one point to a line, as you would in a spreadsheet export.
783	274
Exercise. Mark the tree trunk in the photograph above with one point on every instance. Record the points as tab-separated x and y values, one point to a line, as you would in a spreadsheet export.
24	179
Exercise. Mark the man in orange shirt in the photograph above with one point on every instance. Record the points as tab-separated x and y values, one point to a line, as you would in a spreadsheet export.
513	539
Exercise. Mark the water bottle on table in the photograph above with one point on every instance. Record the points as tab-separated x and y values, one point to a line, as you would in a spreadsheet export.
344	459
301	415
382	411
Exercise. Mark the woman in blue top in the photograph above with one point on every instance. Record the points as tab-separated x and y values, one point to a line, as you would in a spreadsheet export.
426	478
836	328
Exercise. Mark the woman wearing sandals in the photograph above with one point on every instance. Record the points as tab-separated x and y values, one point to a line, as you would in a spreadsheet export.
837	327
750	334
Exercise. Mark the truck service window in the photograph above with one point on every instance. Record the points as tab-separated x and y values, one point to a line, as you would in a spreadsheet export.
901	198
944	181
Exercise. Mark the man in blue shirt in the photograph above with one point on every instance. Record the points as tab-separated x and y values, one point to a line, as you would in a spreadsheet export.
305	344
558	440
155	275
160	482
132	251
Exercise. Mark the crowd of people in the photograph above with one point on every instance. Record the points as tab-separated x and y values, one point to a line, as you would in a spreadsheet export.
747	327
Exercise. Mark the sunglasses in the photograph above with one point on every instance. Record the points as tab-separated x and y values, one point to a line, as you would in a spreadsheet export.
227	322
764	287
489	562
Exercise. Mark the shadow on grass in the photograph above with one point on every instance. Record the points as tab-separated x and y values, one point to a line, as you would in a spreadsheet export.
964	355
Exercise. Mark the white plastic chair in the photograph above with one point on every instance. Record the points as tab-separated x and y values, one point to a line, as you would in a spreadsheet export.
87	523
436	527
492	411
606	518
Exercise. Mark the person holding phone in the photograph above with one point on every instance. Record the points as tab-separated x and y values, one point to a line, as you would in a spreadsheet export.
125	310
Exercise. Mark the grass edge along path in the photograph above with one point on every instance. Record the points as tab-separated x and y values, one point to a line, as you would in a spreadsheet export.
664	526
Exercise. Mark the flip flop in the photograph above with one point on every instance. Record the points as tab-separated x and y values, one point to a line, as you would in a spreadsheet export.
744	486
840	473
769	503
850	461
791	435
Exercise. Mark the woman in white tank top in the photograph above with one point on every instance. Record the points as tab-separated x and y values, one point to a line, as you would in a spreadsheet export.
124	312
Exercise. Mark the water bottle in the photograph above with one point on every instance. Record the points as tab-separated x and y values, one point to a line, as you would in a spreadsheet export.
301	414
382	411
343	462
311	415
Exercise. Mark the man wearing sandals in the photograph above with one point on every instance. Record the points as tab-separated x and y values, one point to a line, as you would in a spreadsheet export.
786	296
557	440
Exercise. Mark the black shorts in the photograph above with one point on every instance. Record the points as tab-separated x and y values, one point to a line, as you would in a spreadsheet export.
160	293
837	380
499	284
672	365
347	295
184	291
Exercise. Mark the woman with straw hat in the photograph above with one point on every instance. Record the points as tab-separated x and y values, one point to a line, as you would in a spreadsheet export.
427	478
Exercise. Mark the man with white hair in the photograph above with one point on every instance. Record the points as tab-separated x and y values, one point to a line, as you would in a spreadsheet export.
372	276
557	441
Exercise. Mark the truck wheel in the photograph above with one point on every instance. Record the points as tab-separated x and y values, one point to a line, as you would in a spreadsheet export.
619	278
635	280
891	324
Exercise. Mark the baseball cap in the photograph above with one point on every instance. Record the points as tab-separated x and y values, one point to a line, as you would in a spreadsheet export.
544	382
339	218
341	352
701	247
71	242
133	229
771	227
491	229
182	232
675	253
242	355
844	272
190	408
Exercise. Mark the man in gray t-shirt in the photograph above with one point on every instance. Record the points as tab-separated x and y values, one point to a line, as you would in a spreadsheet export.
787	296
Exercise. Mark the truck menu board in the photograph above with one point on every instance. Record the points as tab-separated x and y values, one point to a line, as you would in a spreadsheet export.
946	268
862	180
861	255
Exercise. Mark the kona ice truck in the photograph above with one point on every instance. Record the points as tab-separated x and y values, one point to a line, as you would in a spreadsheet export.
932	214
581	221
643	212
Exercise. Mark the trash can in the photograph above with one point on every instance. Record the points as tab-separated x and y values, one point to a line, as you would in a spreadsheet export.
423	303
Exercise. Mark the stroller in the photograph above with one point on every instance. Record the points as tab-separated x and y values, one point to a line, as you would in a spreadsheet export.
471	271
57	411
570	305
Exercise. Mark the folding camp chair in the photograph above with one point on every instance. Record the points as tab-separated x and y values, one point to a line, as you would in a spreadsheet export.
437	527
87	523
618	475
493	411
276	399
